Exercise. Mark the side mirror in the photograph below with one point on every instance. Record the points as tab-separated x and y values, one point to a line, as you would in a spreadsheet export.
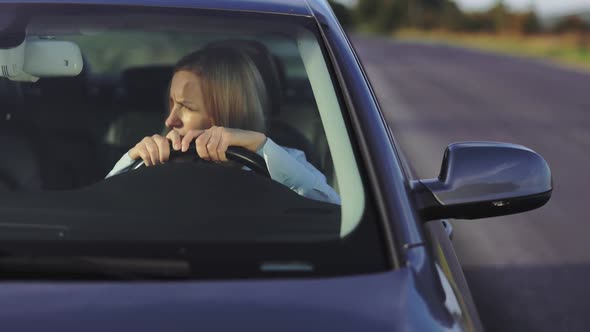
485	179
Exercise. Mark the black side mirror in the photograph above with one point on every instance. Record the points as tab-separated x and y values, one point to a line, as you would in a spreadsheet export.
485	179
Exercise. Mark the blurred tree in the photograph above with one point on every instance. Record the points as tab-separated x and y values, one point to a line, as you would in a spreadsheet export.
386	15
452	17
366	10
571	23
425	14
381	16
576	25
342	13
478	22
500	16
531	23
431	14
431	3
391	15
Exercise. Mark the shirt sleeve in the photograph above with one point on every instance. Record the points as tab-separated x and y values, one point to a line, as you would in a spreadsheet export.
122	165
290	168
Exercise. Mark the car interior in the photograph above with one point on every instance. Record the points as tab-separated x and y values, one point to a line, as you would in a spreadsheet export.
70	116
67	132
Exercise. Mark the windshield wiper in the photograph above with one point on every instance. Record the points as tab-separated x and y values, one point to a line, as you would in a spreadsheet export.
80	267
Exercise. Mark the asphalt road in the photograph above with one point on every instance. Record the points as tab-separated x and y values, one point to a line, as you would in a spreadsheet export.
527	272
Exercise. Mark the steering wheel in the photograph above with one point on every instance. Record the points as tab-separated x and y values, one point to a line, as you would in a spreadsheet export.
238	154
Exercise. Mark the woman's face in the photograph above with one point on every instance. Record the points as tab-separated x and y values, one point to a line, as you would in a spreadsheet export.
187	109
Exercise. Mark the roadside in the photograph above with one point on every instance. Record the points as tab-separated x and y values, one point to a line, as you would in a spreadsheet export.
529	271
570	50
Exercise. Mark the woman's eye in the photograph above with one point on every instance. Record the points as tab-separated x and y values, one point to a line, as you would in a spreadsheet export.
188	108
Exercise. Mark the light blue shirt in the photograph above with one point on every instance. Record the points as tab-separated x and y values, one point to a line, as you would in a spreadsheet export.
286	165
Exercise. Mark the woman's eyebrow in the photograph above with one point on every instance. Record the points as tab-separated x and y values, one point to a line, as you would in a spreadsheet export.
181	101
185	101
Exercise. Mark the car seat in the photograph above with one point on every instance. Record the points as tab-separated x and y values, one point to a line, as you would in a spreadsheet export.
143	108
19	165
140	112
66	124
274	77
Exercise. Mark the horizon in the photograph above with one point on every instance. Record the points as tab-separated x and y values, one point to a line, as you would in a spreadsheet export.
542	7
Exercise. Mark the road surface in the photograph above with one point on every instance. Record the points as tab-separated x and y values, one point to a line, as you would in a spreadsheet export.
527	272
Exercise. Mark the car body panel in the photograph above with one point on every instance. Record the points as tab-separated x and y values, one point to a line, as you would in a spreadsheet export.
410	296
378	302
378	147
289	7
443	253
385	165
392	178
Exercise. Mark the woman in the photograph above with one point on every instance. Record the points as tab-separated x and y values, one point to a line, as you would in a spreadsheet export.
218	99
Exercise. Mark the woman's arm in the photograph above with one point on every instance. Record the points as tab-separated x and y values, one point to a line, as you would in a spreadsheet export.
152	150
121	166
291	168
286	166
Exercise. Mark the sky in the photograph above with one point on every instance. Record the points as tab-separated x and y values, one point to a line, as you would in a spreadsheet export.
544	7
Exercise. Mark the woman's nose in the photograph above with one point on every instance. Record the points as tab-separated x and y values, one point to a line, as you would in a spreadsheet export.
173	121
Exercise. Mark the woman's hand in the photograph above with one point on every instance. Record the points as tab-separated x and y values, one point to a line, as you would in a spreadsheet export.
212	143
153	150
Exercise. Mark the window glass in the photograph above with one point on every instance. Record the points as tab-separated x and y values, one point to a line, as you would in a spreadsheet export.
74	167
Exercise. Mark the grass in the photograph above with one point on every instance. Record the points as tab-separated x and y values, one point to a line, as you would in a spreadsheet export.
569	50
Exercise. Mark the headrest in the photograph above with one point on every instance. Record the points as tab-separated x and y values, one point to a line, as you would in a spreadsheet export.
10	107
264	61
147	87
62	89
8	95
65	91
21	171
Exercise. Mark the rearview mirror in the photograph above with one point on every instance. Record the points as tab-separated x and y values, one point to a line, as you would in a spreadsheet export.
485	179
36	58
48	57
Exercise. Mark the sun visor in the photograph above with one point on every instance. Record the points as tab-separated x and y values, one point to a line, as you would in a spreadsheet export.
36	58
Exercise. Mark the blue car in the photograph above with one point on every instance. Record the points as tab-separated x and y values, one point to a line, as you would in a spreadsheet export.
217	165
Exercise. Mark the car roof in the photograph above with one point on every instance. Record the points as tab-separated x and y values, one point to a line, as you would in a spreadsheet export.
287	7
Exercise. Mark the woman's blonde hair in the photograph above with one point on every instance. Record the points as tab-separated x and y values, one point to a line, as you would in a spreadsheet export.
232	87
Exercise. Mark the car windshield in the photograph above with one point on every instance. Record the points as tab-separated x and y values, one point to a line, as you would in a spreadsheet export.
74	168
